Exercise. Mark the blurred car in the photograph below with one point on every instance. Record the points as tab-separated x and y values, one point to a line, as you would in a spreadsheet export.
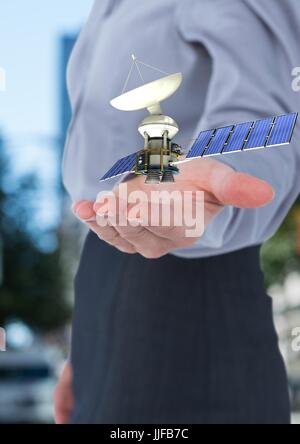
27	382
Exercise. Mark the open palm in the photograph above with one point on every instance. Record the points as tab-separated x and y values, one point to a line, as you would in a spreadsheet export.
221	186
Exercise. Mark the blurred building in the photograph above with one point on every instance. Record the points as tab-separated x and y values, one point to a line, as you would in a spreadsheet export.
1	248
71	231
67	43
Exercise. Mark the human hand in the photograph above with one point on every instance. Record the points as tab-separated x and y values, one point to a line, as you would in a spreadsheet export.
221	185
63	397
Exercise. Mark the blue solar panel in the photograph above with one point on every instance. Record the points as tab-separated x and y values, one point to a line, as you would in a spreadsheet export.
283	130
259	134
271	131
123	166
238	138
200	145
218	142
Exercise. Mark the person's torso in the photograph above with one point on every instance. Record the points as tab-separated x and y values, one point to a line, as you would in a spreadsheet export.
165	35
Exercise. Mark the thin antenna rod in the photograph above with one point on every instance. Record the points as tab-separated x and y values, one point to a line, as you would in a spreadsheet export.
135	61
128	77
152	67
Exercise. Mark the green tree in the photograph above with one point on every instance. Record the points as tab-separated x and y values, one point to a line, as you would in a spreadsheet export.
33	284
279	254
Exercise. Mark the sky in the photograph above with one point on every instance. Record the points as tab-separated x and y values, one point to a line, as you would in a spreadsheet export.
29	50
29	53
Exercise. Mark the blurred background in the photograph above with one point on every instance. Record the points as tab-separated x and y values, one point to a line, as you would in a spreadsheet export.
40	240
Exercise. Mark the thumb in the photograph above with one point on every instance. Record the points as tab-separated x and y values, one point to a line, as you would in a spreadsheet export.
240	190
84	210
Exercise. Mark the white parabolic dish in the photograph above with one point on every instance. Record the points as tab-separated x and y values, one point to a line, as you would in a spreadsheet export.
149	95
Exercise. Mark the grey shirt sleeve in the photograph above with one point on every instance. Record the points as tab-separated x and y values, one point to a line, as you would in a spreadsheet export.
253	47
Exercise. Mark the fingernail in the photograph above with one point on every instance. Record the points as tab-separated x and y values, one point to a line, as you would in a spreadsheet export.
76	205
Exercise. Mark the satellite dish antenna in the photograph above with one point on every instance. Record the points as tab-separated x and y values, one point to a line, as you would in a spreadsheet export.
157	130
149	95
160	157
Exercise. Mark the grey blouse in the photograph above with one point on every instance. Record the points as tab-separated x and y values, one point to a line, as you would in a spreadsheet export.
236	57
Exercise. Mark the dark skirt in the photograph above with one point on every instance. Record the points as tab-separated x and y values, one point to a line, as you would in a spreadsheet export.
175	341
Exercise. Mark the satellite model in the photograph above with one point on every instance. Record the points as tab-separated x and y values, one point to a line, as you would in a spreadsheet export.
160	157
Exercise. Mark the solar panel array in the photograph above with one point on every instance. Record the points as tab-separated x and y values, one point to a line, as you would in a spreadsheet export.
201	143
269	132
259	135
123	166
283	130
218	141
272	131
238	138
